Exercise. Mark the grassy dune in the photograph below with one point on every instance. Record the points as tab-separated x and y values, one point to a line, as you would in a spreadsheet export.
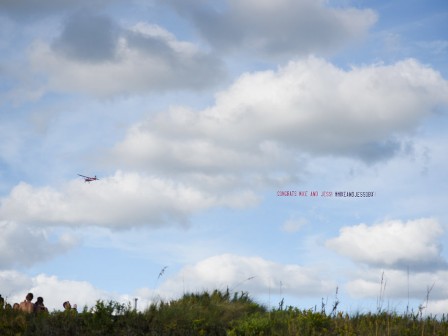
215	313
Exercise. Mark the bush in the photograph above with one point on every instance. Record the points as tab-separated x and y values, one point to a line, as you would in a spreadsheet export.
217	313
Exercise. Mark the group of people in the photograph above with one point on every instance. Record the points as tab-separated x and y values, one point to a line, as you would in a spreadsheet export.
29	307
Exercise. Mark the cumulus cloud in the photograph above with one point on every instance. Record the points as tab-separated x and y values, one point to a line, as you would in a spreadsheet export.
256	131
266	119
254	274
123	200
392	244
398	284
15	285
94	55
13	281
403	288
23	245
276	28
436	307
55	291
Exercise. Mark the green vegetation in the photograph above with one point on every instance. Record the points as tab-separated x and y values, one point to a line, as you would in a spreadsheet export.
216	313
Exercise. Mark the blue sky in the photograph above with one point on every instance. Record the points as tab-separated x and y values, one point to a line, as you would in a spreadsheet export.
196	116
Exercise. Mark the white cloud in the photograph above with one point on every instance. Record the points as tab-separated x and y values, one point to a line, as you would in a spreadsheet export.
278	29
139	60
237	273
11	282
23	245
400	287
120	201
265	120
392	244
54	291
436	307
253	274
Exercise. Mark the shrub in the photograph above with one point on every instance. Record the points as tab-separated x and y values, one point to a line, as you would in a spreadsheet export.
216	313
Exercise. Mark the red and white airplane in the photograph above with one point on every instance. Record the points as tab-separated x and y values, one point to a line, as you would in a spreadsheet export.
88	178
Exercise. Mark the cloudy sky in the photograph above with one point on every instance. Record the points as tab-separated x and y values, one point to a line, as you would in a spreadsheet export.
293	149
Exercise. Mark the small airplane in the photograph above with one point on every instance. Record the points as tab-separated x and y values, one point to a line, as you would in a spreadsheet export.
88	178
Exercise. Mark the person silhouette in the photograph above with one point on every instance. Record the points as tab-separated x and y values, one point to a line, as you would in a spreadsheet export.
27	305
39	305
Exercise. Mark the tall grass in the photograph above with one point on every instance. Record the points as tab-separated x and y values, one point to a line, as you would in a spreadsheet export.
217	313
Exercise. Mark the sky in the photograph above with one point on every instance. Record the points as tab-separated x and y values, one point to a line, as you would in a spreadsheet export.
291	149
